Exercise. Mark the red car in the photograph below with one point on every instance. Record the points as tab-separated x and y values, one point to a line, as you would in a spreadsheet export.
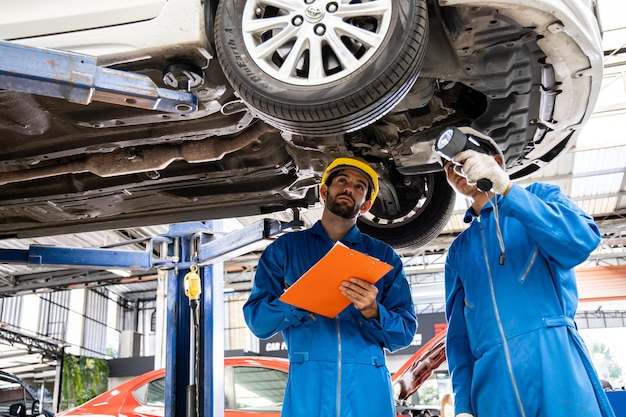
253	386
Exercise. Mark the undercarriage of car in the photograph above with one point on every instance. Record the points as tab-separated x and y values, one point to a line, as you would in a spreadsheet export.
262	122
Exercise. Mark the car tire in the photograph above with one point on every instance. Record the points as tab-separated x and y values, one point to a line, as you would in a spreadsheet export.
334	97
421	217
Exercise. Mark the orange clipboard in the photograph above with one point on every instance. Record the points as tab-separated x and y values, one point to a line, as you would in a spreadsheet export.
318	289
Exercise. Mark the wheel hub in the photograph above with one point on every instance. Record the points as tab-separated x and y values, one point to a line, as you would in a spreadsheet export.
314	42
314	14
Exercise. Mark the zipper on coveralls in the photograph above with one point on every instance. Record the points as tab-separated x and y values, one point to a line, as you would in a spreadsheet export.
338	369
530	264
505	343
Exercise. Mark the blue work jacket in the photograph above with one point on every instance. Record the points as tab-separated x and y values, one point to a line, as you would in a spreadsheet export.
512	344
337	366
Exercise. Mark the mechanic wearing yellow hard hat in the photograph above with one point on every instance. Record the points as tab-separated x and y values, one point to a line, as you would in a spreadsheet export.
337	365
358	165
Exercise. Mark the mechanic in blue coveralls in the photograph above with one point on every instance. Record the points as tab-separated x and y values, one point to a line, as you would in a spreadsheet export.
512	344
337	366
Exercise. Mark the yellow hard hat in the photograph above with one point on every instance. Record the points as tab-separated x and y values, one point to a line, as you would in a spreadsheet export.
359	165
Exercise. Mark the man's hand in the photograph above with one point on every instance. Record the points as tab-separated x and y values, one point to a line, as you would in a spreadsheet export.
477	166
363	295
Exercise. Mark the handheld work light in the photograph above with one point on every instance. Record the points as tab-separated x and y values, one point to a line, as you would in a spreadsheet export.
452	141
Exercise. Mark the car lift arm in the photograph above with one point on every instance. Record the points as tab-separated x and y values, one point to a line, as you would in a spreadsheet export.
78	79
210	249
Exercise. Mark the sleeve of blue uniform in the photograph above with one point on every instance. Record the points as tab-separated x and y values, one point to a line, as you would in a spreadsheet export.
397	322
458	351
265	315
563	232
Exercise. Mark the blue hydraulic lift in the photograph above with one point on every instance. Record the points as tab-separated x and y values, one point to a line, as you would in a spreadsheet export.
192	254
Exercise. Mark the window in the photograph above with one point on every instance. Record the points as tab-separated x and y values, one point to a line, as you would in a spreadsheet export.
152	393
259	389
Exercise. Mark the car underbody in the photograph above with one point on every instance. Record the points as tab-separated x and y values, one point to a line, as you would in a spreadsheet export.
257	144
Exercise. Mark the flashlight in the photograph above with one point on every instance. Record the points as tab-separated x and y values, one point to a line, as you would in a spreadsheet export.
452	141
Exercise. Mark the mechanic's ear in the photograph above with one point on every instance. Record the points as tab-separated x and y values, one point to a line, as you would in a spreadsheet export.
323	191
365	207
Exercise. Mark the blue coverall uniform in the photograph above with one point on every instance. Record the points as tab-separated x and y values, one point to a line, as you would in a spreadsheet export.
512	344
337	366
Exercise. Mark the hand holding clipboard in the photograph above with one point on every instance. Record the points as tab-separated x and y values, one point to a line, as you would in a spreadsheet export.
317	290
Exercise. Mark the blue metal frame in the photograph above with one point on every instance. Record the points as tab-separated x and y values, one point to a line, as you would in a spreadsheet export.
50	255
178	347
212	336
192	243
181	351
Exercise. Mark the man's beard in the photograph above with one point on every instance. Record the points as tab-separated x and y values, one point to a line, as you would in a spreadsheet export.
342	209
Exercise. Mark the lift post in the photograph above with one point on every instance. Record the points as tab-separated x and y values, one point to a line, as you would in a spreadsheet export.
212	341
177	361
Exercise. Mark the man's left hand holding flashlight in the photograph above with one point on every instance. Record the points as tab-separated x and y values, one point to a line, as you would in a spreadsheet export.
477	166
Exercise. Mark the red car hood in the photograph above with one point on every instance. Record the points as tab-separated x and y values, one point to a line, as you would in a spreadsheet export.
420	366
